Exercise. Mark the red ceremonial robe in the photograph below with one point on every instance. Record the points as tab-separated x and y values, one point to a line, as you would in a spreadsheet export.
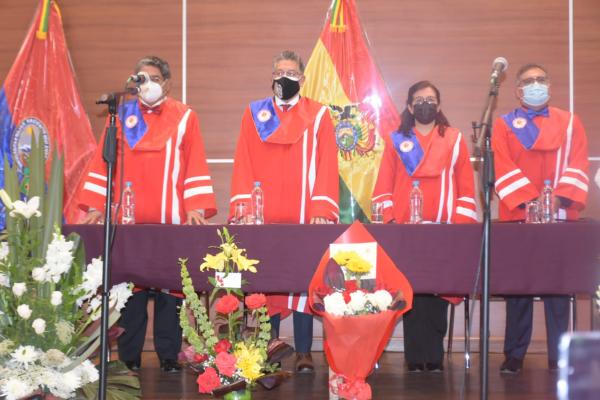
559	154
297	168
445	177
167	168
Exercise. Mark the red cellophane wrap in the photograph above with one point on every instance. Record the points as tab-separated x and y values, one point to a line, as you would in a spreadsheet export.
353	344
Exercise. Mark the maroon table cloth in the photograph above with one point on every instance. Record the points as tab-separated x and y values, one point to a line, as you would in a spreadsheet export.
560	258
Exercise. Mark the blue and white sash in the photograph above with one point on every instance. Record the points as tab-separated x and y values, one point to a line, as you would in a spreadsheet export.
132	122
265	118
520	122
409	149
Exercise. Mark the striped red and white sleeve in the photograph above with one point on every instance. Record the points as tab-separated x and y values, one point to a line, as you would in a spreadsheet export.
198	193
466	207
243	177
384	187
92	194
325	195
574	182
512	186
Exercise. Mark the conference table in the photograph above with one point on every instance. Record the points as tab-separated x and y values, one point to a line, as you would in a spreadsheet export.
536	259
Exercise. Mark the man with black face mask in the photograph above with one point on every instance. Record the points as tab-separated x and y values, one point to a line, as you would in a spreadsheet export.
287	143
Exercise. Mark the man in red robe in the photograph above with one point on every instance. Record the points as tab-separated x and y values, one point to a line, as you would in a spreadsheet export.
532	144
287	143
160	151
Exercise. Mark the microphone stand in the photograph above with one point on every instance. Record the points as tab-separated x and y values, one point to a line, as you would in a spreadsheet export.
487	179
110	156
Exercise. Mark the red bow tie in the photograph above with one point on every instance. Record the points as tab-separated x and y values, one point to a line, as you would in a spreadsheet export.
151	110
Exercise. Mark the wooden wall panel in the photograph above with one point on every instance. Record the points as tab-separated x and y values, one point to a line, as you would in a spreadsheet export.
231	43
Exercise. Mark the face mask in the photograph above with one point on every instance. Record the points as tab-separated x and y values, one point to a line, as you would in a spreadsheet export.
285	88
535	94
425	113
151	92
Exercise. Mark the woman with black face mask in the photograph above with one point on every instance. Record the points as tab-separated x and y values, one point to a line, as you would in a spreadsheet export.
426	149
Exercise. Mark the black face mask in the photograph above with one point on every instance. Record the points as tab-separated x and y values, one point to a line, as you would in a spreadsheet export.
425	113
285	88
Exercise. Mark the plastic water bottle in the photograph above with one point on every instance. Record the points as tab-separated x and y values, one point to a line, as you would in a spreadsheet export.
257	198
128	215
547	203
416	204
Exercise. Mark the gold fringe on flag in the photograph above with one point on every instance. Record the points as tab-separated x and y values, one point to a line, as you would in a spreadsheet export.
42	32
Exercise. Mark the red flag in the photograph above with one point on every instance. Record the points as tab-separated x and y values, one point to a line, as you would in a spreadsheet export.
40	97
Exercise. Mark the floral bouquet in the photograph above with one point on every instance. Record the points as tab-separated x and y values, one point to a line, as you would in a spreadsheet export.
360	294
229	356
48	297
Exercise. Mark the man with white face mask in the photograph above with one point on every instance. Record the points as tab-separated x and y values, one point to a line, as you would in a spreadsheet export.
287	143
532	144
160	151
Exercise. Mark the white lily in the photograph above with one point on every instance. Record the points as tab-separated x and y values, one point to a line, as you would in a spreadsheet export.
28	209
6	199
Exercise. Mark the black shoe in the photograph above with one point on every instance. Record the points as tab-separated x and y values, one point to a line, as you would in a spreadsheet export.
168	365
434	367
511	366
414	367
553	365
133	365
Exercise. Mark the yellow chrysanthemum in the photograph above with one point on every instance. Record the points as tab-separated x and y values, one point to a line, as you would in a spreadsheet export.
358	266
245	264
344	256
353	262
216	262
249	361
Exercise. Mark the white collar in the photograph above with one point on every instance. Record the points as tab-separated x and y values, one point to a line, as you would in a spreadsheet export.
291	102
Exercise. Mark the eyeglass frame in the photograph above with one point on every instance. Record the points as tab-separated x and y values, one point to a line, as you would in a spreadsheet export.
542	80
291	73
420	100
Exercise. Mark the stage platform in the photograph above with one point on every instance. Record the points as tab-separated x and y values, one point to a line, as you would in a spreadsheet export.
390	381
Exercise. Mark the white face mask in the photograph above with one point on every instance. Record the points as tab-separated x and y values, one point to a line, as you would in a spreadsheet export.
150	92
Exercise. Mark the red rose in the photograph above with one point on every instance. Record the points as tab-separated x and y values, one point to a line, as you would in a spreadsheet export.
351	286
226	363
200	358
256	300
227	304
222	346
347	297
208	381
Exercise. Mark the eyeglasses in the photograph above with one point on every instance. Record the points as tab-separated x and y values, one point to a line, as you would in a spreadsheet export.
289	73
542	80
421	100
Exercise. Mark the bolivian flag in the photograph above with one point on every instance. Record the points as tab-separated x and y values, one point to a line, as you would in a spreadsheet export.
39	97
341	73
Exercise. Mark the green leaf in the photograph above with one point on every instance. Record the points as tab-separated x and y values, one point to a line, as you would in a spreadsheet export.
53	206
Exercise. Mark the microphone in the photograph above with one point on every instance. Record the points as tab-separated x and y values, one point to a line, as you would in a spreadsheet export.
139	78
499	65
107	98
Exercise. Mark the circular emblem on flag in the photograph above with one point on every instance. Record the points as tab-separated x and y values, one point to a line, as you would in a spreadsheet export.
346	135
131	121
20	142
406	146
519	122
264	115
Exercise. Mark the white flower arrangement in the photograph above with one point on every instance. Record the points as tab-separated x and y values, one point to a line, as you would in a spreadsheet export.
357	302
47	304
